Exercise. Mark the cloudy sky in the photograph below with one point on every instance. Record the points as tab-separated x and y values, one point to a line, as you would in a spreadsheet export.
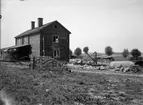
93	23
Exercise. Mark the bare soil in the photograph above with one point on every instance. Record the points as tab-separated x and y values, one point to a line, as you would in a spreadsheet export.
34	87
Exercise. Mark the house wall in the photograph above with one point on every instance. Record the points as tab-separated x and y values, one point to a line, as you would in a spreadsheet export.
1	55
34	40
18	41
64	46
22	41
25	40
48	44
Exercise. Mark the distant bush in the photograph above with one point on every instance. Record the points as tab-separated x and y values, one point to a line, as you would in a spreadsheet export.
78	51
136	54
125	53
108	50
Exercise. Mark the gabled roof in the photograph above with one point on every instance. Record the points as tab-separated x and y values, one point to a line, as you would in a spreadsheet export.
37	29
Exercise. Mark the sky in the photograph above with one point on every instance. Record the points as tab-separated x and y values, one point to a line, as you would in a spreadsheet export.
93	23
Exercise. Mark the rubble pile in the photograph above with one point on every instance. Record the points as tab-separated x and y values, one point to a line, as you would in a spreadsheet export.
45	62
88	67
124	66
117	64
132	69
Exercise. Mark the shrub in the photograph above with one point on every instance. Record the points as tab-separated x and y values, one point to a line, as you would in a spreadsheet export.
108	50
77	51
125	53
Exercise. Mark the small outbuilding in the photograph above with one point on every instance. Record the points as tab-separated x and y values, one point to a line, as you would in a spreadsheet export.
15	53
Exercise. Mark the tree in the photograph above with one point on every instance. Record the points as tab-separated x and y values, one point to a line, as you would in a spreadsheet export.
78	51
108	50
85	49
125	53
135	53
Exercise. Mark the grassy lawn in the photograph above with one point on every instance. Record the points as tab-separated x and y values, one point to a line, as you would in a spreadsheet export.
34	87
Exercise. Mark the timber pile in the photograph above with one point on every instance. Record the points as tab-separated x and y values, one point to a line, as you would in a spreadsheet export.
45	62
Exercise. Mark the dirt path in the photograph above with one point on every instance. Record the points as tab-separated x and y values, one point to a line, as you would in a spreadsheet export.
106	72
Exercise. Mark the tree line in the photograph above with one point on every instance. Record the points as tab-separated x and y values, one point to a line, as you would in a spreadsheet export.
135	53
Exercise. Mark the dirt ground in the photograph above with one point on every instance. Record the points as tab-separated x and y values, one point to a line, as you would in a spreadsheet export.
109	71
79	87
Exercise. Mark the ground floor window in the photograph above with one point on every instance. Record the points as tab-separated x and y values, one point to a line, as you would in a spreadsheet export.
56	53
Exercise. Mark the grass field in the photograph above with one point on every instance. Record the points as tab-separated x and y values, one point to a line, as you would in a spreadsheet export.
34	87
116	56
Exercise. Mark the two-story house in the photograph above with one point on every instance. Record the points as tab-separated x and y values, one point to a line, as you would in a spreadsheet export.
51	39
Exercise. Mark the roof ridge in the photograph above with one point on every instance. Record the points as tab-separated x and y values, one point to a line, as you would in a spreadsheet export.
37	29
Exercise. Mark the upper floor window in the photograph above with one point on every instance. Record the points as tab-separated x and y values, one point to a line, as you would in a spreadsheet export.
55	38
19	42
25	40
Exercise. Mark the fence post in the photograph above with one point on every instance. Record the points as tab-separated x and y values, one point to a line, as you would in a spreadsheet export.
33	66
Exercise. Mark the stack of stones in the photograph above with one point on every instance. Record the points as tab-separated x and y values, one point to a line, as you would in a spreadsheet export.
125	66
46	62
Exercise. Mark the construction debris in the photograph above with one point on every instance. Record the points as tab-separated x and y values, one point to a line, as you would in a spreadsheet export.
119	64
132	69
125	66
48	63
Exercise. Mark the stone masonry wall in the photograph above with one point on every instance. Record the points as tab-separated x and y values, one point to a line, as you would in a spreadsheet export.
34	40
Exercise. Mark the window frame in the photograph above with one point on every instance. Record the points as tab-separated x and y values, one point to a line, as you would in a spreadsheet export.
22	40
55	40
56	53
18	41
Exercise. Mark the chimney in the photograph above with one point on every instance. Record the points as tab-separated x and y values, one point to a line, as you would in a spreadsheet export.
40	22
32	24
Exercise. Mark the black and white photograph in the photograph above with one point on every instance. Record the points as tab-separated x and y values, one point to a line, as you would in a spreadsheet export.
71	52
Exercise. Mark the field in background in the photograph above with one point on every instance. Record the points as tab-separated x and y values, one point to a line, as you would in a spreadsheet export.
116	56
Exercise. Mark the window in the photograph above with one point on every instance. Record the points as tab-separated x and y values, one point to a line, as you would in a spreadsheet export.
22	40
56	53
19	42
55	38
55	26
25	41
